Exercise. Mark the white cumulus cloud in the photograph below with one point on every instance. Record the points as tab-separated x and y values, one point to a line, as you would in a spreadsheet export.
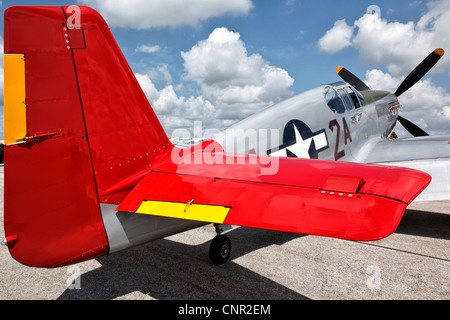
237	83
399	46
143	14
233	84
174	111
337	38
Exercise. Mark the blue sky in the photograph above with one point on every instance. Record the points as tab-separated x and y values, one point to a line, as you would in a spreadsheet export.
285	42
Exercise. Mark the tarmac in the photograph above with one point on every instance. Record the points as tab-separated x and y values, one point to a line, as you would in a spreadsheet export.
411	264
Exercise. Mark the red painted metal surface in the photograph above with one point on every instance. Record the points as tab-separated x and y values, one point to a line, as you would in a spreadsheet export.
79	84
391	182
51	204
125	136
294	199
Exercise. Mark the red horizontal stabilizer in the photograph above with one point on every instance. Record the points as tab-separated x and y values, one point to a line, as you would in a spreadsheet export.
295	198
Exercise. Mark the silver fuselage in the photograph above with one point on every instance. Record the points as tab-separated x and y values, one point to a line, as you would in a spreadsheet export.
309	126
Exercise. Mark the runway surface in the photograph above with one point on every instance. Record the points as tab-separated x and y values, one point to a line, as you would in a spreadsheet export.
412	263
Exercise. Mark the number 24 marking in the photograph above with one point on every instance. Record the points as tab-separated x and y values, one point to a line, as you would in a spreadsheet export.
347	136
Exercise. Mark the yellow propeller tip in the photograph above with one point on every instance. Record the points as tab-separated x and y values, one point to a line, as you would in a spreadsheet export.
338	69
439	51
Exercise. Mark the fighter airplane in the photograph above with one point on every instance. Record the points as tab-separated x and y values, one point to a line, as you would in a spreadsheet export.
90	171
347	121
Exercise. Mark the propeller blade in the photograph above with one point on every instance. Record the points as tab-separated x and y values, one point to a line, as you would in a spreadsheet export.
349	77
420	71
411	127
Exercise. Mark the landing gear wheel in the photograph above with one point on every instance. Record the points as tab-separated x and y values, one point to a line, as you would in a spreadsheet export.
220	249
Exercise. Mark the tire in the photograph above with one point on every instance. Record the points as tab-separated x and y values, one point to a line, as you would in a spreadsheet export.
220	249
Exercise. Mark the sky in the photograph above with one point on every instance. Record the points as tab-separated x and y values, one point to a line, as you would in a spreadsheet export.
220	61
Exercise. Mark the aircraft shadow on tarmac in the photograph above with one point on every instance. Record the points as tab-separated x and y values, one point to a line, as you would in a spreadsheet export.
166	269
425	224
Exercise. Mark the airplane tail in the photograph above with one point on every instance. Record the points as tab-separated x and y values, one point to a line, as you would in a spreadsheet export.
79	131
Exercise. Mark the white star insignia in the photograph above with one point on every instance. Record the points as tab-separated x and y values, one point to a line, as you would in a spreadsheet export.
301	147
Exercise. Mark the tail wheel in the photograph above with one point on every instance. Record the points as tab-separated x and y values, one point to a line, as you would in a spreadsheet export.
220	249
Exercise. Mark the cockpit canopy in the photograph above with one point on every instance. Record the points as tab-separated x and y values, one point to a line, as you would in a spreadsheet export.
341	97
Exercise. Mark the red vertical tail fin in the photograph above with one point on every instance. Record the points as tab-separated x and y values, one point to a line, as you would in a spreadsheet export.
79	132
124	133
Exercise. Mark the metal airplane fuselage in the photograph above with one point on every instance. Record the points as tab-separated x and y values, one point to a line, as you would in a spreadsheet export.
355	127
308	126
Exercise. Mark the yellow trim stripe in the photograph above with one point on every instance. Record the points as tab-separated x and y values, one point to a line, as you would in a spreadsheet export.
189	211
15	117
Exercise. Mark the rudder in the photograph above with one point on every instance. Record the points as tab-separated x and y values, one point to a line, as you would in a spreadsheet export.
90	134
51	207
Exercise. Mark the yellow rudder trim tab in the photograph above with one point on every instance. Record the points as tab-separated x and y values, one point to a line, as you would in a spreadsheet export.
189	211
15	116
